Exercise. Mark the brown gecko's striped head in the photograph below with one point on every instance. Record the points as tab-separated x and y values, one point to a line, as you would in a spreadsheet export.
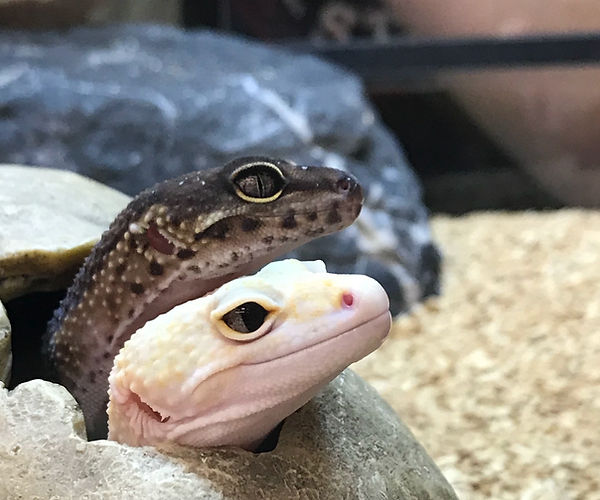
251	197
181	239
220	221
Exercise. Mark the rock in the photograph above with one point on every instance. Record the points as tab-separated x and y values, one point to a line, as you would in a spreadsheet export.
5	350
50	220
132	105
346	443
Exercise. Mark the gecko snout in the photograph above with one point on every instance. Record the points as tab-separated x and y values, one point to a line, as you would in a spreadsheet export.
366	302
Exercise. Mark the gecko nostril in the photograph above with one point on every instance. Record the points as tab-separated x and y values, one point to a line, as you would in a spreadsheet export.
347	299
343	185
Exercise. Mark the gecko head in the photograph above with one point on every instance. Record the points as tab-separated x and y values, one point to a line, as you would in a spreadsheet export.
257	203
225	369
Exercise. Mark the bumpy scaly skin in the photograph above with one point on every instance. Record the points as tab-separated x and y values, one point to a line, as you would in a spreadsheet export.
182	377
177	241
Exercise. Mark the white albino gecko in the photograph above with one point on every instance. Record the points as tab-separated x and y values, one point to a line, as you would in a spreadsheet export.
227	368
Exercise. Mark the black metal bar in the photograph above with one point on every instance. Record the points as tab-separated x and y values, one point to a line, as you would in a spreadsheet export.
405	59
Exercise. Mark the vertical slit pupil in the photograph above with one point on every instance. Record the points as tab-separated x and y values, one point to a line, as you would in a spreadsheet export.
246	318
260	184
259	181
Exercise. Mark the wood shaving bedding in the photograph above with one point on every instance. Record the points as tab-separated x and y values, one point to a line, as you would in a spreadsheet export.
499	378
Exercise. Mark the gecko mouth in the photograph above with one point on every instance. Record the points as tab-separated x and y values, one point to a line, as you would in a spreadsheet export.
147	409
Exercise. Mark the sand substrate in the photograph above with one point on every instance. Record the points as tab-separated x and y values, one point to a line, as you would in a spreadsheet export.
499	378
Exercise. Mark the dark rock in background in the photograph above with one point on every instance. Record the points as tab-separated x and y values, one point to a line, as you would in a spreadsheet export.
132	105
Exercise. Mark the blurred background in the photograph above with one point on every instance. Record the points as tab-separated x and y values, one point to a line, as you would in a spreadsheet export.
492	132
438	107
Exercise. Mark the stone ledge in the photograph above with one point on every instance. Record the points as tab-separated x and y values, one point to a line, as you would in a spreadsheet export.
345	443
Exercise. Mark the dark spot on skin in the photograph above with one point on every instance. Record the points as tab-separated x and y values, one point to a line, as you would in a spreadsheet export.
185	253
336	205
155	268
137	288
283	239
333	217
110	338
267	240
197	236
84	390
120	269
194	268
234	256
110	302
92	378
130	313
224	264
312	216
249	224
206	264
106	355
289	222
218	230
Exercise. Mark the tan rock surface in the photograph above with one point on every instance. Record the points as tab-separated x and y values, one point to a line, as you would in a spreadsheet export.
499	377
346	443
50	220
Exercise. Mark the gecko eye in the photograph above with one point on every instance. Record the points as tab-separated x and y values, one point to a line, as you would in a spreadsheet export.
258	182
246	318
247	321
